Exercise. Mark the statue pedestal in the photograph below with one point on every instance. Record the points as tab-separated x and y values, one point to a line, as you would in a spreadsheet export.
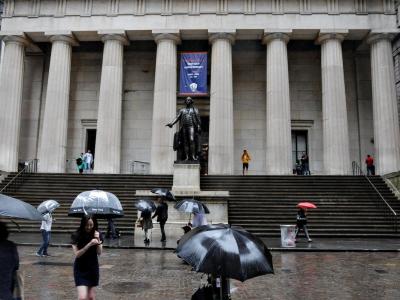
186	180
186	184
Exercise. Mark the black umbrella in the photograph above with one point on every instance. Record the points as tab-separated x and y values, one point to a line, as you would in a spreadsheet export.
225	251
14	208
164	193
100	203
145	204
192	206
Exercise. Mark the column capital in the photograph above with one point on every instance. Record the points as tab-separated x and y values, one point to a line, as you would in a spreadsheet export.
15	37
172	35
334	34
62	36
375	36
278	34
114	35
229	35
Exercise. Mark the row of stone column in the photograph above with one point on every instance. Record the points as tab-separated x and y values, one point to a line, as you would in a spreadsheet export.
53	143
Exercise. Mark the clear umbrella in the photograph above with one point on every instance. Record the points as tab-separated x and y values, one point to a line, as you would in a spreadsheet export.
48	206
14	208
145	204
100	203
164	193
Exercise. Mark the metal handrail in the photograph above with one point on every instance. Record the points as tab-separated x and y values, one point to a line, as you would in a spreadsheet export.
358	171
18	179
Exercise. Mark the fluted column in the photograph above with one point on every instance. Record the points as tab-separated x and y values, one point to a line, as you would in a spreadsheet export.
11	83
53	142
164	105
220	155
336	153
108	137
278	127
385	112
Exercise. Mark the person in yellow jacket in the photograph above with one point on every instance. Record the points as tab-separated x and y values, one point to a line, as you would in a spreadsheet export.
245	160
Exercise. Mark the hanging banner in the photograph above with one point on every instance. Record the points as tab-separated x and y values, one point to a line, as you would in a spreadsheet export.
193	74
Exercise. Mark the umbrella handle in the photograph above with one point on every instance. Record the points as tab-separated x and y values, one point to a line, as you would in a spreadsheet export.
190	216
16	224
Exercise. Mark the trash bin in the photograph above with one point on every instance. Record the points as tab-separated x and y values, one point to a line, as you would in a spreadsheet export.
288	236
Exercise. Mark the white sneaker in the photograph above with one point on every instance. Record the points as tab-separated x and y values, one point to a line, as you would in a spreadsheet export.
309	240
37	254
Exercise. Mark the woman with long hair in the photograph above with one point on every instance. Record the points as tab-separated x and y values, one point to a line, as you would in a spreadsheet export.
87	246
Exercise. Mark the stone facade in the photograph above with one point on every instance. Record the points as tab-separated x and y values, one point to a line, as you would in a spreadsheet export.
242	28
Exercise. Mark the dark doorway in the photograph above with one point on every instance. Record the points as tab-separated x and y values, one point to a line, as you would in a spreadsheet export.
91	140
299	145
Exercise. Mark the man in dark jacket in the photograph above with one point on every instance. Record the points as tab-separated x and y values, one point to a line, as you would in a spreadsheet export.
162	215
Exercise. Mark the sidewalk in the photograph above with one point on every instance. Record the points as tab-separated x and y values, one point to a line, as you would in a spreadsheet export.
131	242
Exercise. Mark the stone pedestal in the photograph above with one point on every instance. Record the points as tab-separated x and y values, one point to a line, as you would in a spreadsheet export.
186	184
186	179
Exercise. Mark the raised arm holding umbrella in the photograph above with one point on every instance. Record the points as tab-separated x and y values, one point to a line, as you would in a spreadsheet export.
46	208
146	207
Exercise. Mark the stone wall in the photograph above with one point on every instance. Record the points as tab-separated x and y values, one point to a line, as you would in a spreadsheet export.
249	75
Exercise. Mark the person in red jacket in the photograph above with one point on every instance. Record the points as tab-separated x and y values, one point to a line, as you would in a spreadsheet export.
370	165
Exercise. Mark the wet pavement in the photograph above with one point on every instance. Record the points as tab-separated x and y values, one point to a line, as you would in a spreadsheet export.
160	274
131	242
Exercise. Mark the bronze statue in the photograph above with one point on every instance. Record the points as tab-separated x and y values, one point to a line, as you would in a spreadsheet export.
187	139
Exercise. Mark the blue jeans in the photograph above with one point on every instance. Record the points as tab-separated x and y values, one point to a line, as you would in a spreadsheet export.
46	241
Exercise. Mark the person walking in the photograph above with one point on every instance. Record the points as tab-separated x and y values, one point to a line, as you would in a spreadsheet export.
301	223
245	161
147	223
305	164
9	261
45	229
87	246
111	230
162	216
80	164
369	161
88	159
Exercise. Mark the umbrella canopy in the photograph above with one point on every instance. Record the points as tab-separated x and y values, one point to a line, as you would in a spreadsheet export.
306	205
164	193
145	204
48	206
14	208
100	203
227	251
192	206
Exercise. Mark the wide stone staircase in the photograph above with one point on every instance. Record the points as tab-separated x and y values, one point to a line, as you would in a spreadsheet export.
65	187
348	206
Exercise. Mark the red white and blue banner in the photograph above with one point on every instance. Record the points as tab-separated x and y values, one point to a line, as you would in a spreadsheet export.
193	74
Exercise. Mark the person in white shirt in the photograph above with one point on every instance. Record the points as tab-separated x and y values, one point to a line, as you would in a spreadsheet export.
88	160
45	230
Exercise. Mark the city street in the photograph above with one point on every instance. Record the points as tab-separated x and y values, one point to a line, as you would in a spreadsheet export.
160	274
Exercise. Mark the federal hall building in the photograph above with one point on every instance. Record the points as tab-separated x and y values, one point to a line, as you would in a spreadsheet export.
283	79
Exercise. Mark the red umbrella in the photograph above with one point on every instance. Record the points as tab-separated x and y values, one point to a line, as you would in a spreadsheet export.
306	205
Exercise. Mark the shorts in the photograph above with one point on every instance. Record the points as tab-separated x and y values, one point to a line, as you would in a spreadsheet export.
245	165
